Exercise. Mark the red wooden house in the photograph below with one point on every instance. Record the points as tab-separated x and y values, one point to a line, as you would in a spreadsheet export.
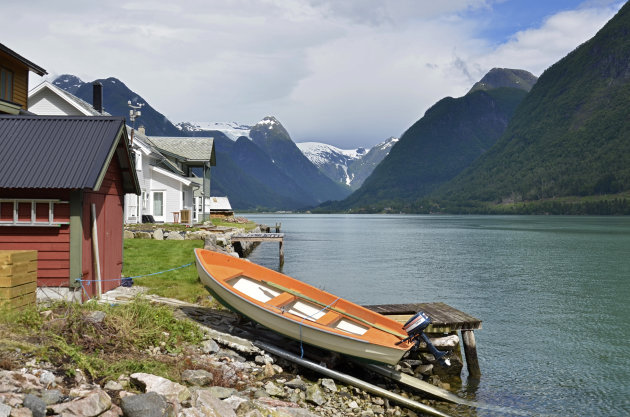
62	185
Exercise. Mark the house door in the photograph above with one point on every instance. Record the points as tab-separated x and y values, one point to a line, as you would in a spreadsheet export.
158	206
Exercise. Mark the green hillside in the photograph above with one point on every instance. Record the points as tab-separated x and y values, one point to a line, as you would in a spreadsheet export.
451	135
570	137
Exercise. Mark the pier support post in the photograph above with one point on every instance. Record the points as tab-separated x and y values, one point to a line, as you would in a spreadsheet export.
281	249
470	350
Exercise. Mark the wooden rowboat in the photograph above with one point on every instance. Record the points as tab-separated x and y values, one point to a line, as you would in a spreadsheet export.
300	311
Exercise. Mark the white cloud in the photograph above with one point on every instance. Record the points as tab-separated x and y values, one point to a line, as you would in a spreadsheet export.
349	72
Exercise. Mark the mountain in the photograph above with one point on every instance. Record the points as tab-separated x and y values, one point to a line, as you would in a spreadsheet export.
115	97
270	136
505	77
265	172
446	140
349	167
570	137
232	130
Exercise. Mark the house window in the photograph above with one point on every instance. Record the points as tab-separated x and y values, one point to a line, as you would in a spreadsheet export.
6	84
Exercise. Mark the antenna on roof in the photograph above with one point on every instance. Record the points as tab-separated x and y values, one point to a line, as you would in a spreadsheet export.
134	112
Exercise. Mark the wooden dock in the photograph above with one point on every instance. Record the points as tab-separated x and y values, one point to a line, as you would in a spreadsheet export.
445	319
263	237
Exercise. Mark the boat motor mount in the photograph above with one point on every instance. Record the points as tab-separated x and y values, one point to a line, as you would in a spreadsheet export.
415	329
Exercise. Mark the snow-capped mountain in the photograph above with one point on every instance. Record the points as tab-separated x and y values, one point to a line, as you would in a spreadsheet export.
347	166
232	130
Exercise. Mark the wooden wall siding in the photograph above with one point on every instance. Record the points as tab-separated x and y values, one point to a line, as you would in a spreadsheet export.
109	212
48	103
20	78
53	250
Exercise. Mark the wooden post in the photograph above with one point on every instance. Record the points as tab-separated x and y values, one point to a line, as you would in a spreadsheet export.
470	350
281	248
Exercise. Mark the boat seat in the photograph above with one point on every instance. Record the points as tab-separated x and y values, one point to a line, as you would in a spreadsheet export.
329	318
282	299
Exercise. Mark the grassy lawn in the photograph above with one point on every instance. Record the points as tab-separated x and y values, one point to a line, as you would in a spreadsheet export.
143	256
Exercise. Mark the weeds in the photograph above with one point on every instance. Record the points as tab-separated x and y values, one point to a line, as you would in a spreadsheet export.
105	345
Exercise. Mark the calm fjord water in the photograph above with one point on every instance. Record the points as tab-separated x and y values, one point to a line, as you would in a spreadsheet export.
553	294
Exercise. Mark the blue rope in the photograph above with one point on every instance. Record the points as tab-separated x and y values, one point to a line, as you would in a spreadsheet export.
308	317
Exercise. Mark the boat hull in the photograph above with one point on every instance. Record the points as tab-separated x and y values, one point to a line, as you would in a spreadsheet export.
302	329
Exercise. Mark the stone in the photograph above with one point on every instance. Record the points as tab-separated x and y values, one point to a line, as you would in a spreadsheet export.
95	317
268	370
233	342
172	391
221	392
128	234
315	395
47	379
329	384
423	370
143	235
199	377
273	390
198	235
52	396
296	383
158	234
91	405
211	405
21	412
35	404
297	412
114	411
235	402
173	235
113	386
5	410
150	404
449	341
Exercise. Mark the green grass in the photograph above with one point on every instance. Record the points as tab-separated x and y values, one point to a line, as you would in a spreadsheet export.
143	256
118	344
246	226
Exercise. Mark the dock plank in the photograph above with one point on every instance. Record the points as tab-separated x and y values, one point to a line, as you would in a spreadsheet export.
442	315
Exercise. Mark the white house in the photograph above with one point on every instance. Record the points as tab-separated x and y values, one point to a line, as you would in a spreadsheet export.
193	156
167	191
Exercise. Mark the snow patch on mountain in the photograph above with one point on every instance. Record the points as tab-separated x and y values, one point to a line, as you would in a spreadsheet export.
319	153
232	130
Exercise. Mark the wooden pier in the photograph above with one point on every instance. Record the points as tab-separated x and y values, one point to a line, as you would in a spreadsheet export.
263	237
444	319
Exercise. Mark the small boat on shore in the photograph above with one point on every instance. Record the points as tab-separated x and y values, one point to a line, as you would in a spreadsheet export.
301	311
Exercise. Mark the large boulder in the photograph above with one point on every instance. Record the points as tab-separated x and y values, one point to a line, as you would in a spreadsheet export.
93	404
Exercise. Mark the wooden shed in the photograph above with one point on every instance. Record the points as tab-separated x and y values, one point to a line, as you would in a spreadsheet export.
62	185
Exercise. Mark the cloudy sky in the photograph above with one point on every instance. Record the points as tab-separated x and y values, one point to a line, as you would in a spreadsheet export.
345	72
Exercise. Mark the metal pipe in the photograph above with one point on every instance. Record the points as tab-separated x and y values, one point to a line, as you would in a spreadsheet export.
347	379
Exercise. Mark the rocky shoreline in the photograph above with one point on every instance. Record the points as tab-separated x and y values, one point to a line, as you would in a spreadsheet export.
226	376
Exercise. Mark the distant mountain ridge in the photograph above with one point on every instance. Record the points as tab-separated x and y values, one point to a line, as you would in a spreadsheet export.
267	172
115	97
505	77
350	167
570	137
446	140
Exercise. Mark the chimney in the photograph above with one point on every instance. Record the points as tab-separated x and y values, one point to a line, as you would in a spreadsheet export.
97	96
141	130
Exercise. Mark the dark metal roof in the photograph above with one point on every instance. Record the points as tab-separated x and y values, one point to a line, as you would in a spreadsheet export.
31	66
71	152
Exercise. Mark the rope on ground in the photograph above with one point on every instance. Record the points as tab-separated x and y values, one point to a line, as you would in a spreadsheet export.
127	279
